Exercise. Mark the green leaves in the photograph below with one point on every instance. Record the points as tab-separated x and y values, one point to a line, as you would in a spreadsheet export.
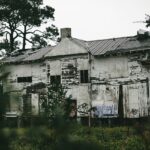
56	105
21	19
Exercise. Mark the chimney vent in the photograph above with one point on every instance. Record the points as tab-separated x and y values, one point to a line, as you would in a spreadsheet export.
142	34
66	33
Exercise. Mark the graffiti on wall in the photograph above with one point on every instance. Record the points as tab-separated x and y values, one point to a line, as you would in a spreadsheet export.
105	109
83	109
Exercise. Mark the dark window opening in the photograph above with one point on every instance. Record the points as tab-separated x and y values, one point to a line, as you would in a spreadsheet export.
73	109
55	79
24	79
84	76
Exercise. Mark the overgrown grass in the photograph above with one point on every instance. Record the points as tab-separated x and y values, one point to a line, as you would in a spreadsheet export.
75	137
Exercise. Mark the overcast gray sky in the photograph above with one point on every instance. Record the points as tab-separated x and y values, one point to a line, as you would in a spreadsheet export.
98	19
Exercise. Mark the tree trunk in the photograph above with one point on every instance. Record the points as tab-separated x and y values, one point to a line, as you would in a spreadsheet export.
24	37
11	41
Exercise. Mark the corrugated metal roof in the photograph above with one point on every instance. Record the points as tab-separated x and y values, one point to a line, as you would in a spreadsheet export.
28	55
96	47
100	47
133	43
16	57
122	44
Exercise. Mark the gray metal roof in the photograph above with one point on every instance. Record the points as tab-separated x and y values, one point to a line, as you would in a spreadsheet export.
16	56
96	48
100	47
27	55
113	45
39	54
80	42
133	44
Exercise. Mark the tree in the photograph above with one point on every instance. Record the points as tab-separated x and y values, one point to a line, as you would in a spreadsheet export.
40	40
33	15
18	18
56	105
9	21
4	45
147	20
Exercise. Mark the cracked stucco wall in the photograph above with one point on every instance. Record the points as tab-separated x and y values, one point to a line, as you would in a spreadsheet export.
127	71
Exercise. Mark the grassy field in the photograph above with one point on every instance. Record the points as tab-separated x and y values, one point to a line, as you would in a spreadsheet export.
76	137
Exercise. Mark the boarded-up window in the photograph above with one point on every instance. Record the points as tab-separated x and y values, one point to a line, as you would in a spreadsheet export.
55	79
24	79
35	103
27	104
83	76
135	100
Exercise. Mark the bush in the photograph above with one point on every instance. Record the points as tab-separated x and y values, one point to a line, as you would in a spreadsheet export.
75	137
135	143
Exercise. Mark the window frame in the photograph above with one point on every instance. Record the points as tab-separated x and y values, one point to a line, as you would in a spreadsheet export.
27	79
84	76
57	79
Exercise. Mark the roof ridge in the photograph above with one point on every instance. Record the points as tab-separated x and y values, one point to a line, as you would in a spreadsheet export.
86	46
112	38
79	39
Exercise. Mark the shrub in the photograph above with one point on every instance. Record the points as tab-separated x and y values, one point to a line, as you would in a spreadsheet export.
135	143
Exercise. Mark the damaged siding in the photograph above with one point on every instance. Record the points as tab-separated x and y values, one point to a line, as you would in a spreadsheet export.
95	74
128	72
110	67
105	99
69	70
135	100
16	90
36	71
81	94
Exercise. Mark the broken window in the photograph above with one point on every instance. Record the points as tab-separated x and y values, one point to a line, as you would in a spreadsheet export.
24	79
83	76
73	109
55	79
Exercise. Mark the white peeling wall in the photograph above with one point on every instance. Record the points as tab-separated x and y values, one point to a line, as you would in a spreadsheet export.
55	67
35	103
105	99
69	70
110	67
36	71
127	71
81	94
135	100
15	89
140	71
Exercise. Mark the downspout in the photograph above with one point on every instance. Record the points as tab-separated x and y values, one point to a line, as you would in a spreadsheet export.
90	87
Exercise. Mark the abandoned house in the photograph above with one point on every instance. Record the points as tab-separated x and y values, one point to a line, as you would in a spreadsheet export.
111	75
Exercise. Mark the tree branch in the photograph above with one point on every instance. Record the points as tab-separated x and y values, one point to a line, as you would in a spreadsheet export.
29	28
16	35
29	41
21	32
34	32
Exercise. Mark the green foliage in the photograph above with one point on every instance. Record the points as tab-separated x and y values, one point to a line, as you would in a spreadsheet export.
135	143
56	105
147	20
4	45
9	20
78	138
18	19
